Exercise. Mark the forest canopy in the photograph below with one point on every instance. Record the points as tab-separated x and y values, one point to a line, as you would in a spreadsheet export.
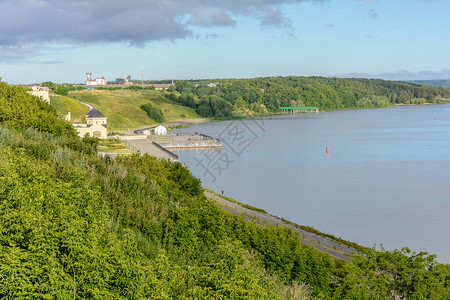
228	97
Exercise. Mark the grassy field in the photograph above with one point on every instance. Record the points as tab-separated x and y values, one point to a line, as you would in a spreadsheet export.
113	146
122	107
65	104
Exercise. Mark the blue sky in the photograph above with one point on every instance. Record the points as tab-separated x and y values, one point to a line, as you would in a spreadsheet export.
188	39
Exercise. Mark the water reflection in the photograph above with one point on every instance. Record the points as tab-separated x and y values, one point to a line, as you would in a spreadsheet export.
385	180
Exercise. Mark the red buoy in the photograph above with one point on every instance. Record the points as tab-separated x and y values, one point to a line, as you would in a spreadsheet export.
435	118
328	150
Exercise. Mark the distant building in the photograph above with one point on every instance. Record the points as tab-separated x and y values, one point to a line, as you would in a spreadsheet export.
160	130
161	86
211	84
124	80
98	81
42	92
95	125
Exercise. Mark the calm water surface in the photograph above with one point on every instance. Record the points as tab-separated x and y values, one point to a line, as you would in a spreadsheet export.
385	180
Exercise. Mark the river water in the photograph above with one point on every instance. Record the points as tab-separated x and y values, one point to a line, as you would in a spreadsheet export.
386	179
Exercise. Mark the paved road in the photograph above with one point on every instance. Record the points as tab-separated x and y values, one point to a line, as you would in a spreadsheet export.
263	219
88	105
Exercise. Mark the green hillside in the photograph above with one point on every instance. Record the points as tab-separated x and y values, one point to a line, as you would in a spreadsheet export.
64	104
122	107
75	225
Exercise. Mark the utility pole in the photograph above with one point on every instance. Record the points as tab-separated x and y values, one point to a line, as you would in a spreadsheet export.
142	74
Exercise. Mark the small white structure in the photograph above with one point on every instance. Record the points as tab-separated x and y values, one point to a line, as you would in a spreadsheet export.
160	130
95	125
41	92
98	81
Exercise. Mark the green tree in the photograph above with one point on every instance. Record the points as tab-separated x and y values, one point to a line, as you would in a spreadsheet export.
153	112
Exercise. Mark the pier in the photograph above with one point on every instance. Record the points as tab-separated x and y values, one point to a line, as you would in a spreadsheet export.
190	141
297	110
159	145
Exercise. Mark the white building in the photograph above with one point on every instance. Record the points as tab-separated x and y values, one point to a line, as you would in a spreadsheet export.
95	125
160	130
98	81
41	92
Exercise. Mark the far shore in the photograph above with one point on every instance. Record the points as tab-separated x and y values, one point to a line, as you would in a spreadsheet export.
412	104
244	117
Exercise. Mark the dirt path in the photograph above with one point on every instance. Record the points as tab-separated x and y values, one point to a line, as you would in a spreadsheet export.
308	238
88	105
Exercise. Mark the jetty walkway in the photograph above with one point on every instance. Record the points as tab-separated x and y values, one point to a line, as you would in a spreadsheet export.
152	148
160	145
318	242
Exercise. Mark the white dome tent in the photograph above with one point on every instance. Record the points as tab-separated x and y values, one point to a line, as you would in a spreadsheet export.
160	130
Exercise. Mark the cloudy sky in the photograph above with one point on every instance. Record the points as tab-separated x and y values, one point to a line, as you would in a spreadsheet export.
60	40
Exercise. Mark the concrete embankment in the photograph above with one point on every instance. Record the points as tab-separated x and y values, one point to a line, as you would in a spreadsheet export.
171	154
191	145
190	140
319	242
146	146
159	146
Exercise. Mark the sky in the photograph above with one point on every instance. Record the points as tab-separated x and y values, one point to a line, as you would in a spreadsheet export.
61	40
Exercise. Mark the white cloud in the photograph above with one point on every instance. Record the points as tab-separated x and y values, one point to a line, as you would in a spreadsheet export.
29	23
134	21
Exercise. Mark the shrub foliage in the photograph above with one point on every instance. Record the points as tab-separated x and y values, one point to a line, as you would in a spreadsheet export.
76	225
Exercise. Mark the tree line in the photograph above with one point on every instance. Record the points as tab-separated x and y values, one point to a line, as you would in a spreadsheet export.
234	97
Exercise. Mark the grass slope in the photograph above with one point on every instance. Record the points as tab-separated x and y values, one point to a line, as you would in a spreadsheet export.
123	111
64	104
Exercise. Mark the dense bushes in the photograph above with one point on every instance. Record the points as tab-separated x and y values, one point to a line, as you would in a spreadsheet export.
394	275
76	225
20	109
138	87
214	106
153	112
110	88
211	106
54	238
